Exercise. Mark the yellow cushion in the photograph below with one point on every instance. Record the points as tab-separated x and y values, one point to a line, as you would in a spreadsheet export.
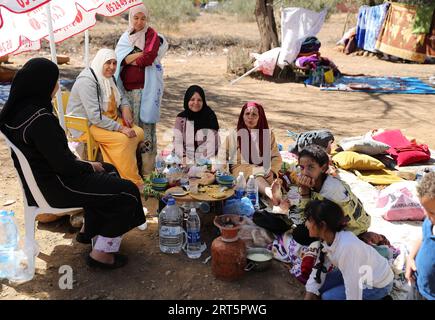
350	160
378	177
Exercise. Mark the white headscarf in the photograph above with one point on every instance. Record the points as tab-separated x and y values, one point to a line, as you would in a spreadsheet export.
138	38
106	84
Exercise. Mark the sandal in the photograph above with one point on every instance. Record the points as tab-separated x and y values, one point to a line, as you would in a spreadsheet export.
82	238
119	261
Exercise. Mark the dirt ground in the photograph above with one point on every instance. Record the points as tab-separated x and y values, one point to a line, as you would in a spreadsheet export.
154	275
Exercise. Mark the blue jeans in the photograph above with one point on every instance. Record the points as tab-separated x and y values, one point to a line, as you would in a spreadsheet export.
333	288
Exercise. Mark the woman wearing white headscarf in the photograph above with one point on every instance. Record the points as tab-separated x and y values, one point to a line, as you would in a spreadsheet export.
139	52
96	97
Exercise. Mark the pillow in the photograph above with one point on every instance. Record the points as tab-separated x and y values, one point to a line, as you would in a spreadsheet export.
364	144
394	138
349	160
378	177
411	154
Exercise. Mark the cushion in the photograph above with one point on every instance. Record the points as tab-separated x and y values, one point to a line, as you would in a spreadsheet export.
413	153
364	144
350	160
394	138
378	177
402	150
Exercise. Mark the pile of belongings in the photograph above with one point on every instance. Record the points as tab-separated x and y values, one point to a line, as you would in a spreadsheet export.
374	158
321	70
394	29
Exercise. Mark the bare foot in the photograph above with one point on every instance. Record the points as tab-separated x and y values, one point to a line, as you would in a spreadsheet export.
276	192
285	205
102	257
282	208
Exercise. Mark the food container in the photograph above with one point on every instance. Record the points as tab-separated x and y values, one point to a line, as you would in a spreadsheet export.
259	259
159	184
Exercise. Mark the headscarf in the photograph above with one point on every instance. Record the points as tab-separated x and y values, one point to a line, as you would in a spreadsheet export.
203	119
138	38
261	125
106	84
31	87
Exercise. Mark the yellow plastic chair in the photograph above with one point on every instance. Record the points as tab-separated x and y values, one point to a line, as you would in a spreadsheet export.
80	124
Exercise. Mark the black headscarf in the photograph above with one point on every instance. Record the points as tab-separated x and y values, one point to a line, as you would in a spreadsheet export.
203	119
31	88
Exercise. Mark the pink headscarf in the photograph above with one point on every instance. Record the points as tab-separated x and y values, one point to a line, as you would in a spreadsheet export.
138	38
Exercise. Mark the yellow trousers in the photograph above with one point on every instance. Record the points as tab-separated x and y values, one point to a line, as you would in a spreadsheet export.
120	150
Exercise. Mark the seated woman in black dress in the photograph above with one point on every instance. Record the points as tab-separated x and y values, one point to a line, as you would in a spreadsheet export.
112	205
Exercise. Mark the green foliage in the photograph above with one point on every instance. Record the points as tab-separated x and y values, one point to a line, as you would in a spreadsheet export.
243	9
168	14
148	191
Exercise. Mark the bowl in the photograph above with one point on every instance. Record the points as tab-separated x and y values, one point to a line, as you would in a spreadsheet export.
159	184
225	180
229	226
259	259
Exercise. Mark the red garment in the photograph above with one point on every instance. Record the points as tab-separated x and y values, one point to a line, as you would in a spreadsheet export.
261	125
133	76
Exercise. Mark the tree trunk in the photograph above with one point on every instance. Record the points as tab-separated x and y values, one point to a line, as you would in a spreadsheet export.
266	25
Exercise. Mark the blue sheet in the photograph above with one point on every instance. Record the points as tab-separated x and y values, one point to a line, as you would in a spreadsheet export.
405	85
370	22
6	87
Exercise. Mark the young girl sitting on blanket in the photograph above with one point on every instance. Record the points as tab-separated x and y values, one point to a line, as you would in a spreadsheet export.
315	184
359	273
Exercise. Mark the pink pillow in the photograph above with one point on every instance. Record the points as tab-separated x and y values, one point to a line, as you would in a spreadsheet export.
394	138
402	150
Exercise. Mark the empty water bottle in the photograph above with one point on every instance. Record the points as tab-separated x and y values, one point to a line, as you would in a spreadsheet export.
193	226
171	228
8	244
252	191
240	188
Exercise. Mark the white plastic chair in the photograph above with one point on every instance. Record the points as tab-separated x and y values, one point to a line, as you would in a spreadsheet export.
30	212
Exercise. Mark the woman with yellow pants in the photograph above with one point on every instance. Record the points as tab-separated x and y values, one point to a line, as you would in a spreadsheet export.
96	97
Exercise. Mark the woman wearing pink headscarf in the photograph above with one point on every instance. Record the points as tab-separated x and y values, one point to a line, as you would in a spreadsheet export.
140	74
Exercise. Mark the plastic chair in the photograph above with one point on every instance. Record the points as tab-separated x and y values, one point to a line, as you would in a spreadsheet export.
30	212
80	124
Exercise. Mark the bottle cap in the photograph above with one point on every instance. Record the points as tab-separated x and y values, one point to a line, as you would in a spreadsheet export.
192	210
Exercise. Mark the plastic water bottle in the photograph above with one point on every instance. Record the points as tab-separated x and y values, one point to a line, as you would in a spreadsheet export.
160	163
193	226
171	228
240	186
252	191
8	244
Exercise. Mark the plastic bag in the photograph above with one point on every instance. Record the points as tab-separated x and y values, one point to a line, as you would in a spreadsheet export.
399	201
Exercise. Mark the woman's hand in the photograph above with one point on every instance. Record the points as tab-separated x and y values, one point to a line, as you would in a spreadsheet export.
129	132
131	58
410	269
127	116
